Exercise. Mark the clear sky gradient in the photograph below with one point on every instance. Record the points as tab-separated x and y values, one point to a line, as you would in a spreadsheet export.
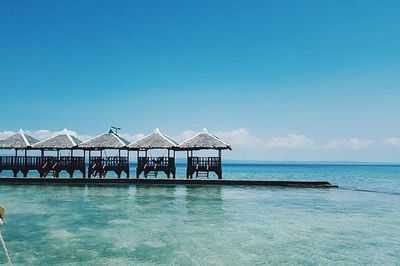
258	72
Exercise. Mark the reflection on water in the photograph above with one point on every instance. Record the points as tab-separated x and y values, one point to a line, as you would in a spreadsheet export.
132	225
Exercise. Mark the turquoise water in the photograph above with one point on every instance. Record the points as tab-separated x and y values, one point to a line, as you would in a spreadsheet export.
49	225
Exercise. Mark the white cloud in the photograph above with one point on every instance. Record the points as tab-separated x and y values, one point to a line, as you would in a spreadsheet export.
131	137
394	142
45	134
349	144
240	138
291	141
184	135
286	147
5	134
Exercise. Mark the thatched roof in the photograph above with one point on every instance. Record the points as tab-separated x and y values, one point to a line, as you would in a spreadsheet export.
59	142
108	140
155	140
18	141
204	141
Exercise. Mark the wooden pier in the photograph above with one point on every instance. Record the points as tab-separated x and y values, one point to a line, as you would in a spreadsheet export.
185	182
198	168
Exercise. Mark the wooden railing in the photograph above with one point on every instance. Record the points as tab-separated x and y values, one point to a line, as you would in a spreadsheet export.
20	161
158	162
108	161
38	161
71	161
204	162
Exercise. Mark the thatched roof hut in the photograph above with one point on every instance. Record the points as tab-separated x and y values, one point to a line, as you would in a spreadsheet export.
155	140
19	140
60	142
108	140
204	141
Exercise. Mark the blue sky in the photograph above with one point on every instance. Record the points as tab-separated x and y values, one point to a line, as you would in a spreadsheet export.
322	74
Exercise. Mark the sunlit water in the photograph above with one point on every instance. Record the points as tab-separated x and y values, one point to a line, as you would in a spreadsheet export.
130	225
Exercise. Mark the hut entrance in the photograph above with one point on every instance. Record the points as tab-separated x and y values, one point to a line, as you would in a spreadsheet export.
102	164
201	167
150	165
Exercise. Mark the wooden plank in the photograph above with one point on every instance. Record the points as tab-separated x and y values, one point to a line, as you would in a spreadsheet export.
221	182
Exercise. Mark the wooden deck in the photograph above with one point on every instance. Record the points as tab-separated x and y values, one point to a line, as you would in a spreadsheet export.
189	182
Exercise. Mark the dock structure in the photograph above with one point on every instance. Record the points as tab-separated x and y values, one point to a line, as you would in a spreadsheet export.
53	165
19	142
100	165
150	165
203	166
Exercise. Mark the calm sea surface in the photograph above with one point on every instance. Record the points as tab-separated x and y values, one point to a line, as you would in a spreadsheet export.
358	223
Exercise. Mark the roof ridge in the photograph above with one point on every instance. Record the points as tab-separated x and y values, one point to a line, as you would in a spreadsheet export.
218	138
148	135
118	138
167	138
190	138
22	134
84	142
71	139
43	140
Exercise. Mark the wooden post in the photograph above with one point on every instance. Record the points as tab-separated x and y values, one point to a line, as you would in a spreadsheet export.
220	164
84	163
26	163
89	167
129	165
137	164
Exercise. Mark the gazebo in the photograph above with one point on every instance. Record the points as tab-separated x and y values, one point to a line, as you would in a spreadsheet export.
151	165
18	141
202	166
56	164
100	165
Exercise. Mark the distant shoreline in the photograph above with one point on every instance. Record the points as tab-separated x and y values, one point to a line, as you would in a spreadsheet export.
261	162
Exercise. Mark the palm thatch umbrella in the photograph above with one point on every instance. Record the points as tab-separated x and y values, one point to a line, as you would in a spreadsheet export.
107	141
63	141
18	141
155	140
204	141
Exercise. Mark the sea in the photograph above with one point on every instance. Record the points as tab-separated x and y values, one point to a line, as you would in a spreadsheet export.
355	224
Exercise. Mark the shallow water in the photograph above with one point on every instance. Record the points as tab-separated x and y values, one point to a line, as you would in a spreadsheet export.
47	225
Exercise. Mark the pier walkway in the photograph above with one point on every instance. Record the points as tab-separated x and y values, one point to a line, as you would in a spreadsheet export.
112	181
